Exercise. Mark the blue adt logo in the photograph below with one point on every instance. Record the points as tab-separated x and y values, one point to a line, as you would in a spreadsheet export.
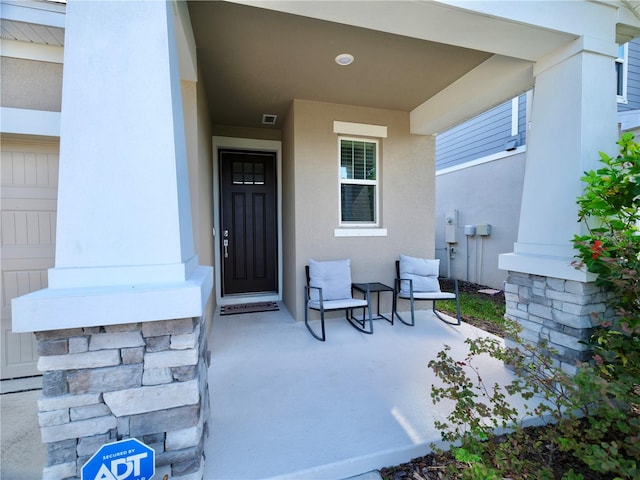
125	460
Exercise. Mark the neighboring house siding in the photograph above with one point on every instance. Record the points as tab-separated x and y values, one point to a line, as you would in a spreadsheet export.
479	137
633	77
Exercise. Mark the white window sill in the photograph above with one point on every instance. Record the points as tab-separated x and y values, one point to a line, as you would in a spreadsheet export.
360	232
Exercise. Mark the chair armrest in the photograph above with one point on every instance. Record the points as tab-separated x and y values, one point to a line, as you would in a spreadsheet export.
399	284
307	291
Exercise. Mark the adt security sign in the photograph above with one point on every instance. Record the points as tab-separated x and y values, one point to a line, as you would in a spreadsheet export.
125	460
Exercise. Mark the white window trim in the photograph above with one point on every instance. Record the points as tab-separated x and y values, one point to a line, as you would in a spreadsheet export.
375	183
624	61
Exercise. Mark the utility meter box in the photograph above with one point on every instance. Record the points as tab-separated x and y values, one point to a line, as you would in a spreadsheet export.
483	229
469	230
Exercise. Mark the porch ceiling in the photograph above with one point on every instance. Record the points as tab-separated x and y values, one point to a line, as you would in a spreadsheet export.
256	61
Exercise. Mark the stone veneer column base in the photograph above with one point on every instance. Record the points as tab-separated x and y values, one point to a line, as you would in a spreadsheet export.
562	312
140	380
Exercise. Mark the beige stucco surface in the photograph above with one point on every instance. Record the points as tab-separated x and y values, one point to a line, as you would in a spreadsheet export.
310	211
30	84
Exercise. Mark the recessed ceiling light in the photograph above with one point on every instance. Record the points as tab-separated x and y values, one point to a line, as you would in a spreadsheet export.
344	59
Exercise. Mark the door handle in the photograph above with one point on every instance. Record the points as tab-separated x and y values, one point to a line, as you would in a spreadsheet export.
225	243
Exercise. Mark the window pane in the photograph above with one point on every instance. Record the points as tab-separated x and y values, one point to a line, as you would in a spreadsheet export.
619	78
357	160
358	203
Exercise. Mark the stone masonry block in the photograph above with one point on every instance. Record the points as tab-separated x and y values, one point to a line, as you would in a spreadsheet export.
538	300
183	469
185	341
82	428
572	320
566	341
58	334
525	294
170	358
89	411
580	288
167	327
164	421
510	288
53	347
541	311
106	341
182	374
584	309
124	327
185	437
157	376
568	297
511	297
132	355
195	475
158	344
556	284
179	456
47	404
520	279
78	344
152	398
54	383
61	452
53	417
123	426
105	379
102	358
87	446
59	471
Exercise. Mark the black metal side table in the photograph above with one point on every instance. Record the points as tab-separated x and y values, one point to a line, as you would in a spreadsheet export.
377	287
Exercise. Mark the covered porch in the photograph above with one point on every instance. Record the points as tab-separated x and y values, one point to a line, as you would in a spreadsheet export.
286	406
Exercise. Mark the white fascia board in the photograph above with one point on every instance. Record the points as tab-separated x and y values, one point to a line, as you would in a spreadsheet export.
489	84
38	13
29	122
31	51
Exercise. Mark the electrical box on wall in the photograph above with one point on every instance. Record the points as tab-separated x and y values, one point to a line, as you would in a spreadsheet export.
469	230
451	222
483	229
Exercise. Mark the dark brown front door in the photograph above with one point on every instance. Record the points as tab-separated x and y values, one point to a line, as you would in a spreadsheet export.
249	247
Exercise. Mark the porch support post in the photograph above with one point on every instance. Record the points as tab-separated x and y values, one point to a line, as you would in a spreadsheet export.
573	117
121	327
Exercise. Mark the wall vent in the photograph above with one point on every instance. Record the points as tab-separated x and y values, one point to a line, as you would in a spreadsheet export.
269	119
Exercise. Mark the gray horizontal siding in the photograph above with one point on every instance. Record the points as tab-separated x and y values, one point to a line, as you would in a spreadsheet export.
478	137
633	77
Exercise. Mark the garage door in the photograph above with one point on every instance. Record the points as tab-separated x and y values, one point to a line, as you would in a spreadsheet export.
29	186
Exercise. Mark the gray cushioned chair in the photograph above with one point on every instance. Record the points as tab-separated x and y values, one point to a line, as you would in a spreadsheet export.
329	288
417	279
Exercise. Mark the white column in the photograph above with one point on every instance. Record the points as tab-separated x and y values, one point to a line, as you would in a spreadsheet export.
124	241
573	118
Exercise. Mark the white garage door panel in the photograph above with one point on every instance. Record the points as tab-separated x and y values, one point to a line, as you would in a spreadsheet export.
28	224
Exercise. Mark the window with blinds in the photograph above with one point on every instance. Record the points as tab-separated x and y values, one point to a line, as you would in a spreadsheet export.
358	181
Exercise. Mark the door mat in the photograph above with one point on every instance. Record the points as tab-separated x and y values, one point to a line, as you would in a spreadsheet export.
249	308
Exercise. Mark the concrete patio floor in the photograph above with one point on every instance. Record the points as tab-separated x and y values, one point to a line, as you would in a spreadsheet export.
286	406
